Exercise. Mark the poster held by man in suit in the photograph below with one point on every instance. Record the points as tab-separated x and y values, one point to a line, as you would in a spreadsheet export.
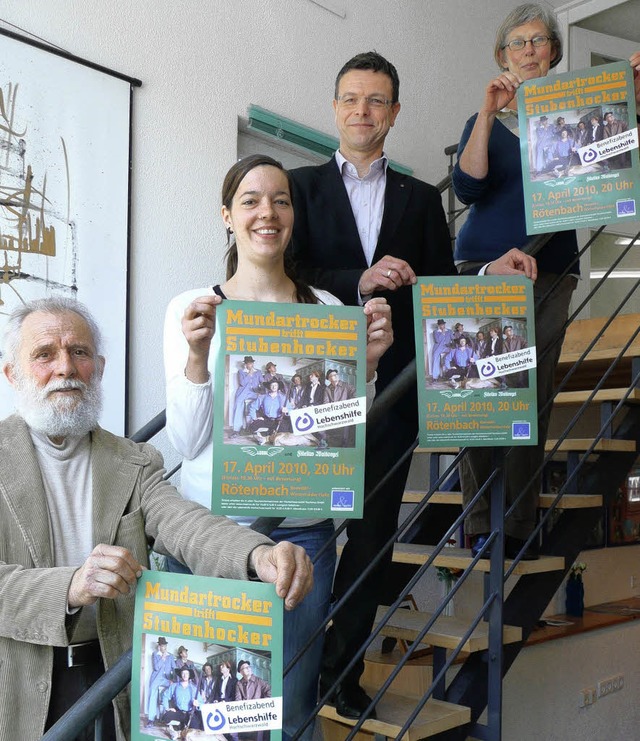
496	404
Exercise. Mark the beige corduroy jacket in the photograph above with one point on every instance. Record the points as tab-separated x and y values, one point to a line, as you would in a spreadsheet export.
132	507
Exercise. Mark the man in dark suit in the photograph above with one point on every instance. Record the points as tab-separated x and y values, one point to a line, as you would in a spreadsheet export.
512	343
495	343
596	132
225	685
313	393
361	228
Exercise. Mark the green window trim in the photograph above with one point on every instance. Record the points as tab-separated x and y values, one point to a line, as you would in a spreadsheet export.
302	136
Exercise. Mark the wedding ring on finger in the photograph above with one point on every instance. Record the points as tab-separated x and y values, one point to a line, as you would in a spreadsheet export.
389	273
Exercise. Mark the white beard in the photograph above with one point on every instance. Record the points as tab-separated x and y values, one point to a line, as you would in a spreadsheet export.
61	415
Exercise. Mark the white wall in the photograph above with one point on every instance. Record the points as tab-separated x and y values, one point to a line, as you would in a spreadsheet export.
202	62
542	690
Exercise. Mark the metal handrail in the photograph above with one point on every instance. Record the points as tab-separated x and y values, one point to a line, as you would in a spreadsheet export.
151	429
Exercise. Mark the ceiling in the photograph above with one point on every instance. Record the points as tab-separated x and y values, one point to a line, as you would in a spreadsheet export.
622	21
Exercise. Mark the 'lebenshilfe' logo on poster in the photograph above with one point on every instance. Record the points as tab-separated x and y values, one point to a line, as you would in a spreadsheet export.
243	715
507	363
610	147
329	416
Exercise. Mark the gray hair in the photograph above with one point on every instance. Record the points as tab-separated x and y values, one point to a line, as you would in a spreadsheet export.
527	13
51	305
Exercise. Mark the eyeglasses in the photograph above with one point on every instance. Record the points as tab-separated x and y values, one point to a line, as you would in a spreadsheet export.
373	101
519	44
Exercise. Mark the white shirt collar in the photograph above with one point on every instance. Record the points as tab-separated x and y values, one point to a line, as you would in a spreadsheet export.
346	167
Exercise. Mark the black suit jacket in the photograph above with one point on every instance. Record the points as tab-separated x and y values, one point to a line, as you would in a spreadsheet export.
497	350
596	136
328	253
229	690
313	396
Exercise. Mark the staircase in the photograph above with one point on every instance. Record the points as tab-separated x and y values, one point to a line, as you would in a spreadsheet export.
595	421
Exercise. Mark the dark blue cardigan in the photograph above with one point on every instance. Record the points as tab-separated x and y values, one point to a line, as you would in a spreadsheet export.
496	220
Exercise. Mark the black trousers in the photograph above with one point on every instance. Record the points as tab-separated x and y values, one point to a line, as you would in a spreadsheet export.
353	623
68	684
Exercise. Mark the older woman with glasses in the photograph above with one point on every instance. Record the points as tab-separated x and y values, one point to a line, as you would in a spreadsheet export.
488	176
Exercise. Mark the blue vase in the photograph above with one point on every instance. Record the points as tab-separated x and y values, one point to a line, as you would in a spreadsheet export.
574	604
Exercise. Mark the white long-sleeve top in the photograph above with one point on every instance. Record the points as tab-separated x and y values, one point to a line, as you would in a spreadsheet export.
190	405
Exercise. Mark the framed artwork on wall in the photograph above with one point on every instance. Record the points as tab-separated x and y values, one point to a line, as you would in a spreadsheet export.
65	156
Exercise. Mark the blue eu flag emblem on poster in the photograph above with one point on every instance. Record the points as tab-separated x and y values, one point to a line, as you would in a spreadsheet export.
521	430
342	499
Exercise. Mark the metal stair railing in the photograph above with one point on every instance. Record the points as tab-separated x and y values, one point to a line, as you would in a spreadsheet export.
532	593
493	729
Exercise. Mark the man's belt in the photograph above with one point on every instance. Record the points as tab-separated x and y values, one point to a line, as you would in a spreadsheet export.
79	654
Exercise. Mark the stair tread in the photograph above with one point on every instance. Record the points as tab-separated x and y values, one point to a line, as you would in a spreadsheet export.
393	710
581	444
579	397
571	501
568	501
460	558
446	632
580	333
576	444
414	496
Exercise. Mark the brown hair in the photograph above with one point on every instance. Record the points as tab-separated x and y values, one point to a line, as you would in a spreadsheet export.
237	172
371	60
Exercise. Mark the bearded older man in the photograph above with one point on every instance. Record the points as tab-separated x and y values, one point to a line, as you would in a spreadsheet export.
79	508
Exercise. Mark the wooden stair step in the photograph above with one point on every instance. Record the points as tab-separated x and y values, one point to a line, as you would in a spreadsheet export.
413	680
393	710
580	334
446	632
568	501
579	397
414	496
460	558
447	450
580	445
571	501
571	444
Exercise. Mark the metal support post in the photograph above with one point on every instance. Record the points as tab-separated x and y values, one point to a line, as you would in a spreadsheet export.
439	659
496	588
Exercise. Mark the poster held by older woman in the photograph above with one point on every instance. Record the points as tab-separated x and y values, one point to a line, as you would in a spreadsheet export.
591	173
